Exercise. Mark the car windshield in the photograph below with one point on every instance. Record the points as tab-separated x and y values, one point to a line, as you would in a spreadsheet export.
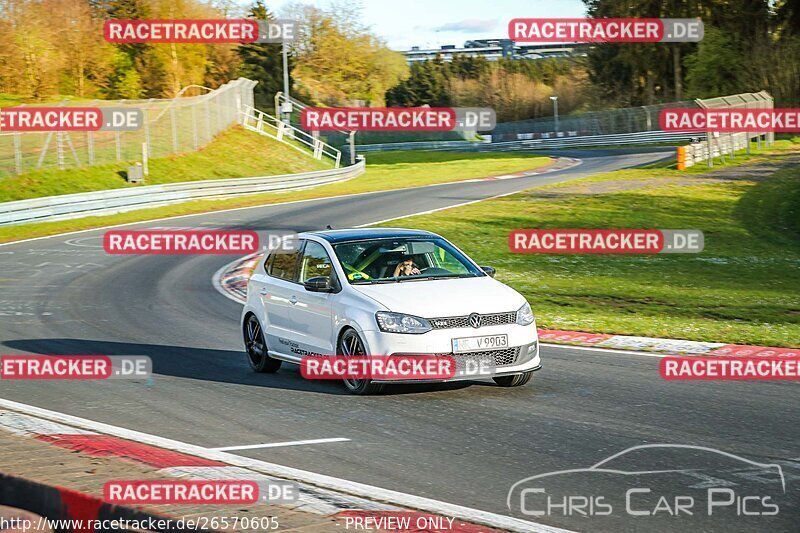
403	259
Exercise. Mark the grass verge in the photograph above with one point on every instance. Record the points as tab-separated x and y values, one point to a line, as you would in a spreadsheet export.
743	288
390	170
235	153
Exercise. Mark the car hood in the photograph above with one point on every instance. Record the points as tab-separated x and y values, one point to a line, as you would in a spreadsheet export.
445	297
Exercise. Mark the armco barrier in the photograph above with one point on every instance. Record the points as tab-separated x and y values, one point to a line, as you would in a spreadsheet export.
61	505
112	201
421	145
643	137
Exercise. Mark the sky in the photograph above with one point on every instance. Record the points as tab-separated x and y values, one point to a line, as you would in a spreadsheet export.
432	23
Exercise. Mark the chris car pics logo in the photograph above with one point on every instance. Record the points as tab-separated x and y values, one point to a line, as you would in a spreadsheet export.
657	481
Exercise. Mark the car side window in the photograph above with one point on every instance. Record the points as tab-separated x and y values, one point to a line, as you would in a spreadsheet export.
268	263
315	263
282	264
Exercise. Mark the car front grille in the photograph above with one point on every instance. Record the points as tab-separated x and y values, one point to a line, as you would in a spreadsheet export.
506	356
493	319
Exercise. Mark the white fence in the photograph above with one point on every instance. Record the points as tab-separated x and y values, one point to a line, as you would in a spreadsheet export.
171	126
718	145
265	124
120	200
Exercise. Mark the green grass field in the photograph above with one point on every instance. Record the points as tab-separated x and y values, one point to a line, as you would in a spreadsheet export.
391	170
743	288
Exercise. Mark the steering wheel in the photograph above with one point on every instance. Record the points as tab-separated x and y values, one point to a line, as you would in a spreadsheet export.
434	270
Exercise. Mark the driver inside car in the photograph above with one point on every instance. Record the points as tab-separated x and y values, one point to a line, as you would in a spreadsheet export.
406	267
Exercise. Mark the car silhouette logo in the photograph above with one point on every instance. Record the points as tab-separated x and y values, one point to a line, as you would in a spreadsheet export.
604	466
475	320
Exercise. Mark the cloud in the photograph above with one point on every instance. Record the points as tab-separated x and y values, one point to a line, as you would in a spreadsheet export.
469	26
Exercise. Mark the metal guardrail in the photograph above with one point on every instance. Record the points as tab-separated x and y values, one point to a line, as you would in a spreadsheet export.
112	201
420	145
643	137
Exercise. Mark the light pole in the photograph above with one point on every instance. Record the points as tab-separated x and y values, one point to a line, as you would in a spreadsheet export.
286	110
555	111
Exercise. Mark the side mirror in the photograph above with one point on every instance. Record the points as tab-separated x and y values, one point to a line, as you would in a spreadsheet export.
318	284
490	271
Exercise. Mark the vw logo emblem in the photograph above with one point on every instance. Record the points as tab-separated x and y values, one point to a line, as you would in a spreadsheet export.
475	320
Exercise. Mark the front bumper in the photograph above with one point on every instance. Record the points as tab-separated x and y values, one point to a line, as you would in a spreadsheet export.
522	340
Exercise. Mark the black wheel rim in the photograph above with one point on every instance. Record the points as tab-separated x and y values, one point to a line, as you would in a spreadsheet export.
351	346
254	342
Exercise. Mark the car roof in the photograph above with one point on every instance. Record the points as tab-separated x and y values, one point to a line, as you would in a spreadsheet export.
342	235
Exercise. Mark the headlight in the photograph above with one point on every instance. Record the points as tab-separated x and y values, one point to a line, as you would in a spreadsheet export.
525	315
400	323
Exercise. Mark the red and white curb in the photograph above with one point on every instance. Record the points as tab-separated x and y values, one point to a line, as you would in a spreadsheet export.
658	345
173	463
231	280
320	494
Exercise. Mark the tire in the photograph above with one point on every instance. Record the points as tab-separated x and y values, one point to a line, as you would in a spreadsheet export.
350	343
514	380
256	348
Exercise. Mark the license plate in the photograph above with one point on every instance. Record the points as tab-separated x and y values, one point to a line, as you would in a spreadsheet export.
477	344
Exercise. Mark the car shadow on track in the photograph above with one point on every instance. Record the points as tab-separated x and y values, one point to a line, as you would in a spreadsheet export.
225	366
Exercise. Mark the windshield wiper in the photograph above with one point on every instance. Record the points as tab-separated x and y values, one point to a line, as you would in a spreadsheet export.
447	276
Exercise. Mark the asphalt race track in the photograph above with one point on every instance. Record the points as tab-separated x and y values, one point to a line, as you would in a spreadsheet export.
463	443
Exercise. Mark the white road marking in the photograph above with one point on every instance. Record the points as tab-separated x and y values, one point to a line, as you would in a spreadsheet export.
429	211
279	444
319	480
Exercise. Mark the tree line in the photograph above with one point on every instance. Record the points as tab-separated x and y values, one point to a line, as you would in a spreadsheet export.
749	45
515	89
56	47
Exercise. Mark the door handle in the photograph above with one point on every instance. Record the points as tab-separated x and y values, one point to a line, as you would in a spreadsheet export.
293	300
263	292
